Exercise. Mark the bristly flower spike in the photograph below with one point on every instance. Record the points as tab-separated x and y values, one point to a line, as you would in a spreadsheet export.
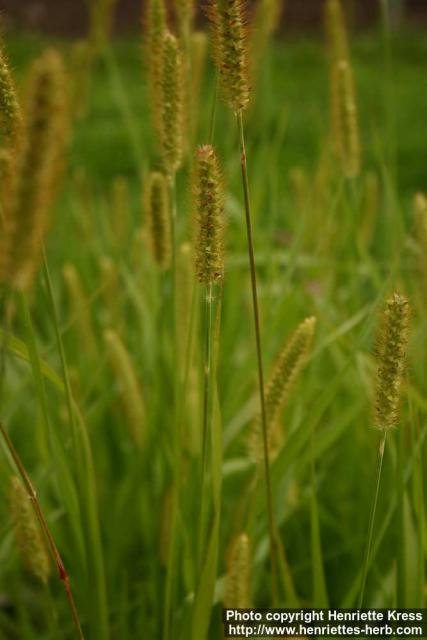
36	170
208	207
155	29
288	367
27	531
238	576
157	216
391	350
171	104
10	113
230	42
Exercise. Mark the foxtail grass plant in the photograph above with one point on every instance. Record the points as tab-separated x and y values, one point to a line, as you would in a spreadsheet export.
101	21
129	386
31	495
155	25
208	212
286	371
36	171
344	116
27	531
171	104
391	347
230	42
10	111
157	218
239	573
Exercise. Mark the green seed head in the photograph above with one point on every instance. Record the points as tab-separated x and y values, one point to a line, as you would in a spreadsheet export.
336	30
229	36
208	206
27	532
10	113
238	576
344	113
36	170
391	349
128	383
172	101
155	29
157	215
184	10
285	373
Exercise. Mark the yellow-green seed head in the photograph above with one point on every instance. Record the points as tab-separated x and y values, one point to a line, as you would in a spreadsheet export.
267	18
336	30
208	211
10	113
229	35
184	10
239	570
420	211
285	373
27	532
157	216
36	170
391	350
155	29
172	101
129	386
345	125
101	22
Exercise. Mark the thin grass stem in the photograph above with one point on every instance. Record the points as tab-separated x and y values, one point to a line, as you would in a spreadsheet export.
372	519
208	337
271	522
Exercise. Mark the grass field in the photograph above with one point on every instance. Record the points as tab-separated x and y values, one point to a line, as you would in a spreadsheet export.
118	480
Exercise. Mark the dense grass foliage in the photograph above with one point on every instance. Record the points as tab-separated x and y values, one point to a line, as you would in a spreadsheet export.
116	472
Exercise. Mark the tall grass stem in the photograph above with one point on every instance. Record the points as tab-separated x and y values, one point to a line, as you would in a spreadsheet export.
372	519
271	522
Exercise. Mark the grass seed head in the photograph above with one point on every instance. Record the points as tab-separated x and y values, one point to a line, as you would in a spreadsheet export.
129	386
172	101
101	23
230	42
157	216
36	171
392	342
208	208
286	371
238	576
10	112
184	10
155	29
345	125
27	532
336	30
